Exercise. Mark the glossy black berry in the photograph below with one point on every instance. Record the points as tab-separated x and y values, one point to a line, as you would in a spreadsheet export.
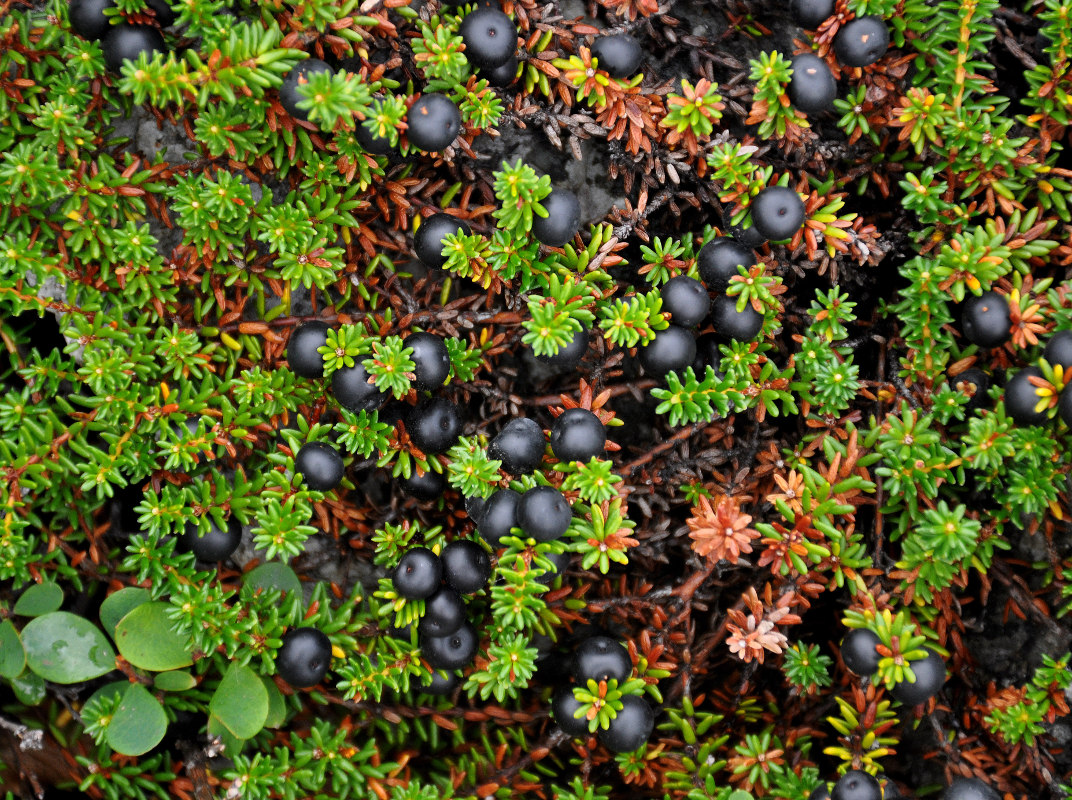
519	446
544	513
1064	407
564	705
974	383
578	435
1021	398
811	14
812	88
299	76
862	42
431	358
372	141
619	55
686	300
572	353
741	325
428	241
444	613
216	545
777	213
418	574
450	652
427	486
304	657
672	349
631	727
490	37
466	566
353	390
856	785
985	320
440	684
434	425
320	464
503	75
707	355
562	220
434	122
499	516
858	651
820	792
930	675
127	42
87	17
749	237
559	563
1059	350
601	658
163	12
970	789
303	349
718	261
474	507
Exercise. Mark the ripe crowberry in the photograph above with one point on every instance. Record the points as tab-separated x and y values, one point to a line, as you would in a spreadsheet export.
562	220
418	574
427	486
431	359
1064	407
1059	350
503	75
733	324
974	383
216	545
859	653
87	17
812	87
686	300
930	675
718	261
856	785
453	651
631	727
440	684
811	14
672	349
304	657
970	789
777	213
320	465
303	349
499	516
127	42
749	237
572	353
820	792
563	706
619	55
1022	398
601	658
985	319
578	435
490	37
428	241
433	122
299	76
444	613
544	513
372	141
466	566
353	388
862	42
519	446
434	425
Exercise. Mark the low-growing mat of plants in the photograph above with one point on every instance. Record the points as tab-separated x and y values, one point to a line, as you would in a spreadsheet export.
572	401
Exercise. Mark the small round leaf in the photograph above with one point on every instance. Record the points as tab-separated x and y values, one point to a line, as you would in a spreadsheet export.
65	648
145	639
118	604
12	656
174	681
277	709
273	575
240	702
29	688
138	724
41	598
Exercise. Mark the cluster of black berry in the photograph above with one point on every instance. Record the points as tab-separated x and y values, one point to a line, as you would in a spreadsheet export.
600	659
859	651
858	785
120	42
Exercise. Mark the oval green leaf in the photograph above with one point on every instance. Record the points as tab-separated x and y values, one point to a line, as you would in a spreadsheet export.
175	681
277	709
118	604
12	656
138	724
273	575
232	745
65	648
41	598
29	688
145	639
240	702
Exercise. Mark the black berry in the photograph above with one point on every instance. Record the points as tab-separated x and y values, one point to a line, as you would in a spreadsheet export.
572	353
985	320
559	563
352	389
820	792
372	141
87	17
930	675
320	465
490	37
418	574
1059	350
578	435
444	613
503	75
733	324
748	237
812	87
672	349
450	652
1022	398
970	789
474	507
686	300
303	349
299	76
544	513
519	446
125	42
601	658
718	261
434	122
1064	407
466	566
434	425
562	220
811	14
707	355
162	12
777	213
631	727
216	545
440	684
856	785
304	657
428	241
431	358
619	55
974	383
862	42
858	651
499	516
427	486
563	705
